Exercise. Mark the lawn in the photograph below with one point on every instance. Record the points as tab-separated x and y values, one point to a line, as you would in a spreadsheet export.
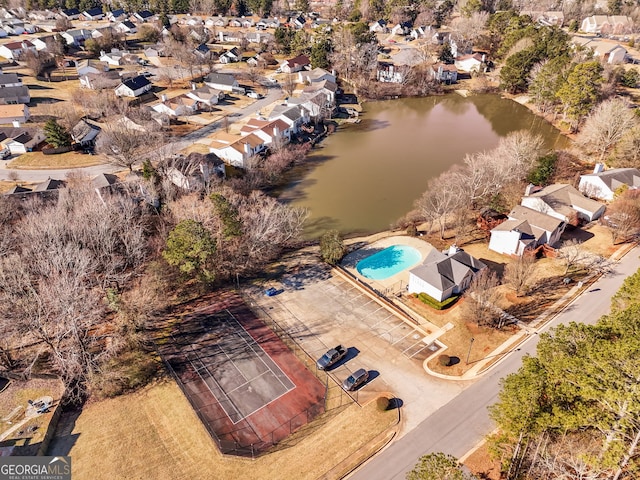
38	160
155	433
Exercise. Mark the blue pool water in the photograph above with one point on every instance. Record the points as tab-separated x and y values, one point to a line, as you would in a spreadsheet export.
388	262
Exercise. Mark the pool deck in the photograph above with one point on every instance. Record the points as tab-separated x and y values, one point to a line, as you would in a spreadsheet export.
395	283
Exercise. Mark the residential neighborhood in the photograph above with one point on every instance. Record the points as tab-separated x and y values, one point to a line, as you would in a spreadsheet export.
231	230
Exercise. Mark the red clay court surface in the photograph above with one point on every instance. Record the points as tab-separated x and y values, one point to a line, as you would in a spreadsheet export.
246	385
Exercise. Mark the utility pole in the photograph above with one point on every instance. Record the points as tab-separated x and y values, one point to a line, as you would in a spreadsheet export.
469	352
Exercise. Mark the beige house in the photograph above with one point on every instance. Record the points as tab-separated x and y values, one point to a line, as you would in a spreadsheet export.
14	113
563	202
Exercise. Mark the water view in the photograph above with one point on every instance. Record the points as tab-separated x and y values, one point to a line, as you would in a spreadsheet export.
366	176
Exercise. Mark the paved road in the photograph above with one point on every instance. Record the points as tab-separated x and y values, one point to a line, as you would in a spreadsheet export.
460	424
274	94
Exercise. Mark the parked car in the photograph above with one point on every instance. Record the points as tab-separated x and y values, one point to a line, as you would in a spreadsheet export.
332	357
356	379
252	94
270	292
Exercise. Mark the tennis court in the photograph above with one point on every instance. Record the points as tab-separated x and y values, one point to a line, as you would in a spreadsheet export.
246	385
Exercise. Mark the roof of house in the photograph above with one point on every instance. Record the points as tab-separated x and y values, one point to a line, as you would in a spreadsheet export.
299	60
617	177
49	184
534	218
71	11
205	92
267	126
91	62
136	83
18	189
18	45
221	79
7	78
128	24
94	12
237	142
443	270
562	198
12	110
104	180
323	85
84	131
11	92
293	113
117	13
144	14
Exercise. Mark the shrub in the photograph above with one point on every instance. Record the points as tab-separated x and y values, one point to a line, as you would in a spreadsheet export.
432	302
444	360
382	403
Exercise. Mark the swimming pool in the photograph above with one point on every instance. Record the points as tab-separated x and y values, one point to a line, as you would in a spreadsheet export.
388	262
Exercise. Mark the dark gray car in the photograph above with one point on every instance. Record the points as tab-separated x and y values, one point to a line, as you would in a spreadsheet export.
332	357
357	378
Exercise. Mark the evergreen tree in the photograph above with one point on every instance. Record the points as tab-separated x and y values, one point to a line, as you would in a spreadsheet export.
320	53
580	92
229	216
56	134
191	248
332	248
446	55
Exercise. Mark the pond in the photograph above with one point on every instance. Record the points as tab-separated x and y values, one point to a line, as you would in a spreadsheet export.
366	176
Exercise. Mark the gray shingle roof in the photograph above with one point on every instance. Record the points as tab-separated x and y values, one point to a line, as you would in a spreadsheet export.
617	177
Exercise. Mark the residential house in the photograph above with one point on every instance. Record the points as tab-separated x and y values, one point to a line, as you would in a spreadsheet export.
203	52
315	75
196	170
76	37
70	13
10	80
236	150
443	274
379	26
94	14
43	43
101	80
134	87
114	58
444	73
104	184
223	81
388	72
326	88
258	37
299	22
29	28
3	33
402	29
247	22
90	66
563	202
272	132
610	53
293	65
41	15
13	50
13	29
143	16
293	115
46	26
235	22
192	20
176	107
127	27
18	112
231	56
264	23
49	185
603	184
85	132
118	15
11	95
25	141
217	22
472	63
206	95
607	24
525	229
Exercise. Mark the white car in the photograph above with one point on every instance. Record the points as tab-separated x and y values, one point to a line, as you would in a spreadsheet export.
252	94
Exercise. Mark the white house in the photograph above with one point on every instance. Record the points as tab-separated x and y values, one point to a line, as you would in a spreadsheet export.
315	75
525	229
609	24
470	63
176	107
14	113
231	56
388	72
236	150
270	131
443	274
295	64
206	95
117	15
134	87
126	27
13	50
90	66
10	80
25	141
562	202
295	116
223	81
76	37
94	14
70	13
143	16
603	184
379	26
267	23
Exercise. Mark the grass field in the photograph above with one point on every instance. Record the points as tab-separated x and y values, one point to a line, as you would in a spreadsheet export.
38	160
155	433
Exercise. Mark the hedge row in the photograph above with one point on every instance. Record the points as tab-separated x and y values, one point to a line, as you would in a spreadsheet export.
432	302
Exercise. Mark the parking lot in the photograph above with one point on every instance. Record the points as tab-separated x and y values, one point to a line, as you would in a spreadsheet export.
321	311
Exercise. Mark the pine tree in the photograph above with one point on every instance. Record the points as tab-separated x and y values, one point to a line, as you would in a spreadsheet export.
56	134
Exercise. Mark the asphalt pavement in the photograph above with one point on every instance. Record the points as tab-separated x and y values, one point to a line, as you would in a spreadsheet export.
463	422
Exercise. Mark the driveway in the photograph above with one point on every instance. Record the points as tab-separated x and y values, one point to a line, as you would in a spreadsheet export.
321	310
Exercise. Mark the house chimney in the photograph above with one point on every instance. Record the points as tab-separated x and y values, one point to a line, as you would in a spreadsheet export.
163	97
598	168
222	36
102	53
193	86
276	132
247	148
453	249
16	124
484	57
529	190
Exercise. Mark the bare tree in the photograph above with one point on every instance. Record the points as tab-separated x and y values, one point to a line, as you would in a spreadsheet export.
571	253
482	296
519	273
443	196
606	126
123	146
623	217
467	29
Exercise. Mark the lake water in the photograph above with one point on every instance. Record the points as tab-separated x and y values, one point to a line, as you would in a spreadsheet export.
368	175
